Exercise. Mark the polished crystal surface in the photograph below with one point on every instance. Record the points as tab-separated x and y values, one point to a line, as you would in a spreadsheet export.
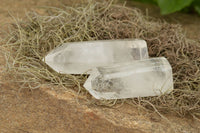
139	78
80	57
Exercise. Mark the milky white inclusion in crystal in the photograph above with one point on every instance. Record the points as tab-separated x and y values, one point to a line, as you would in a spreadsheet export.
141	78
79	57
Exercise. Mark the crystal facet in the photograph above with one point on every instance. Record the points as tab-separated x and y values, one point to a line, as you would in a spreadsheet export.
79	57
139	78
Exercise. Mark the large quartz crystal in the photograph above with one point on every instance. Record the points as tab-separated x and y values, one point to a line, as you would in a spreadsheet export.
79	57
140	78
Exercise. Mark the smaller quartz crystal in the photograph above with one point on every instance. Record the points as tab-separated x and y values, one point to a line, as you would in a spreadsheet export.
139	78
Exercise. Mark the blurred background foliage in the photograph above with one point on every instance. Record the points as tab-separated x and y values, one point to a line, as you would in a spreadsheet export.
171	6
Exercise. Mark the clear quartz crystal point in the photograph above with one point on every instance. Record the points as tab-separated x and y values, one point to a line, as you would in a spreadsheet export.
79	57
140	78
